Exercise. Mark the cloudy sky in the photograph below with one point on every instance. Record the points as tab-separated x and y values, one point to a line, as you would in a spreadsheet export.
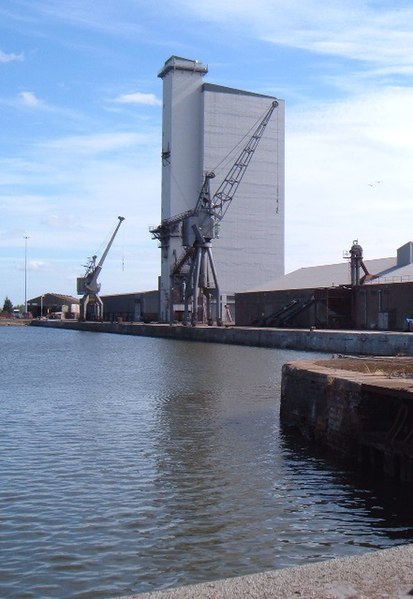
80	132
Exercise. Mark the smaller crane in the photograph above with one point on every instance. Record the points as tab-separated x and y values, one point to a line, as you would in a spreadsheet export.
91	306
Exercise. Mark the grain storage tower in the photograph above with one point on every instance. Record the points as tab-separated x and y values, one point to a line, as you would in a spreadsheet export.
204	127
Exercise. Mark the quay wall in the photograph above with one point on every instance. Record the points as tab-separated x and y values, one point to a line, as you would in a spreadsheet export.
360	408
379	343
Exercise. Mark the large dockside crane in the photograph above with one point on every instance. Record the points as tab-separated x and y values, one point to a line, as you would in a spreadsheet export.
194	273
91	306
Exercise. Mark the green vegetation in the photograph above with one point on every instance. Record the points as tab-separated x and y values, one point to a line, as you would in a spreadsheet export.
7	306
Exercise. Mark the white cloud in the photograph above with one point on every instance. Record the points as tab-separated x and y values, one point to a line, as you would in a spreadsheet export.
35	265
5	58
97	143
375	43
138	98
62	222
353	30
22	205
333	153
29	99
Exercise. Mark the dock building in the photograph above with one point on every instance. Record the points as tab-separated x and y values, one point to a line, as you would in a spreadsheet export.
327	297
54	305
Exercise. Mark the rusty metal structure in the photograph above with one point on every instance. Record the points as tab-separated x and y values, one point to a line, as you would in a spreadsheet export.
357	264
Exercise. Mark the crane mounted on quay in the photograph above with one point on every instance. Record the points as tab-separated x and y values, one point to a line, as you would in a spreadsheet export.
91	306
194	273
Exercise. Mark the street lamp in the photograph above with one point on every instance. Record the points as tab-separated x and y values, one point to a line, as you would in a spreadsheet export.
25	273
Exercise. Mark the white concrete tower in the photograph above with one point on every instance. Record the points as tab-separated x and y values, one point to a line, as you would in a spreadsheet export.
181	155
204	129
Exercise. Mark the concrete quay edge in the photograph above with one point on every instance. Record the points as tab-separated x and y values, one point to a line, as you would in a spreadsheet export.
382	574
378	343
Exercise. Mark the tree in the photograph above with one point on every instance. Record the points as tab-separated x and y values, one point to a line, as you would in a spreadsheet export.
7	306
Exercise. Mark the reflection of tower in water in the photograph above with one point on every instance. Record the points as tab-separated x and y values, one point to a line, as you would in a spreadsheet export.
229	494
215	453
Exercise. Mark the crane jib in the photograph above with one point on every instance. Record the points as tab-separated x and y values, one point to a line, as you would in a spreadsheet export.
91	306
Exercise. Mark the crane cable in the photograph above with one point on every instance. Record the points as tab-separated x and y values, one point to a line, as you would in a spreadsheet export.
225	160
123	249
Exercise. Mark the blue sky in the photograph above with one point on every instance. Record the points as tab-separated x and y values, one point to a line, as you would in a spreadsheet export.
80	133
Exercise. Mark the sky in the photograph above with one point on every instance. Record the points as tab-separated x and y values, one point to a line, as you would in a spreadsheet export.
80	135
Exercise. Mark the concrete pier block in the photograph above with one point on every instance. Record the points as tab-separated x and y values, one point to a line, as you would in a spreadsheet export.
360	408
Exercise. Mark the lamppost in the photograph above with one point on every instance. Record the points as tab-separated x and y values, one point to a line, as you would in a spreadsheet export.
25	273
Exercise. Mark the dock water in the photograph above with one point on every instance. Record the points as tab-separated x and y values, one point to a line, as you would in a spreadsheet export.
334	400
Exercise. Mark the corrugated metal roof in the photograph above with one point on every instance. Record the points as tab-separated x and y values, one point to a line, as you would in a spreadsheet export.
329	275
50	296
403	274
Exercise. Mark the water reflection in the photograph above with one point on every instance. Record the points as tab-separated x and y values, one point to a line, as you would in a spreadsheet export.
163	464
239	495
385	504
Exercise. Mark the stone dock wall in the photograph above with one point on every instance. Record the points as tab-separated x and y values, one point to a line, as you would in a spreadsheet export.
379	343
359	408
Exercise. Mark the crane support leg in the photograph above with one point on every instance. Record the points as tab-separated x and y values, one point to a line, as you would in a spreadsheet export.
202	279
195	285
215	292
91	307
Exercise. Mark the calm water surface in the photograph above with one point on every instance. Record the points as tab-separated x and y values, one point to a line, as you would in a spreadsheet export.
130	464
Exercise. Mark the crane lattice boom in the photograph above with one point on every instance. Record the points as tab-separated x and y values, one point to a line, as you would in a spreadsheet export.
224	195
218	205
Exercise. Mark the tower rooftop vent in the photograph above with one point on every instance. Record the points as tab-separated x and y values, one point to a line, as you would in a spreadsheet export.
175	63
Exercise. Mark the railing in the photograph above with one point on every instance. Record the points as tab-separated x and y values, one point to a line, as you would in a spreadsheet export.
392	279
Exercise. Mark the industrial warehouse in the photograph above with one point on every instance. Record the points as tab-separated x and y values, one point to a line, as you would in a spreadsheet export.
323	297
336	296
221	235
